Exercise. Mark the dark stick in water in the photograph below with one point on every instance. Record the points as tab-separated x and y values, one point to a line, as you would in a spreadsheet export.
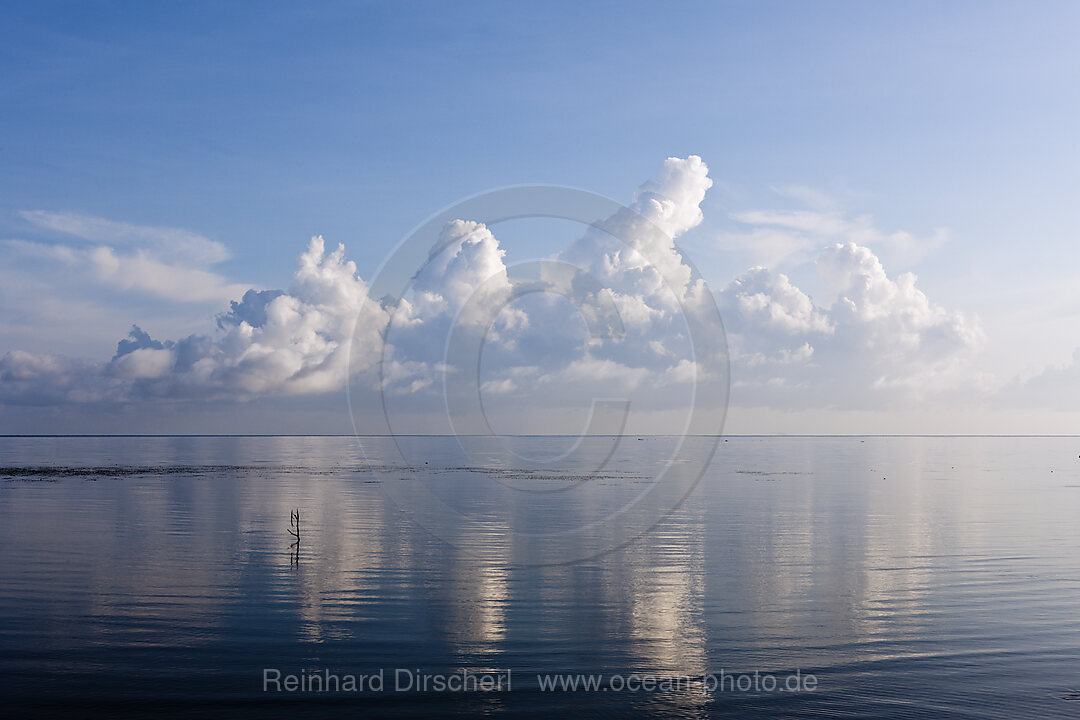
294	530
294	524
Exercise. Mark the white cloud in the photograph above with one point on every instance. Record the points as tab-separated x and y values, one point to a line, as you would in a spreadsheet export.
271	344
762	301
164	262
641	277
169	242
469	261
880	340
877	339
775	237
636	260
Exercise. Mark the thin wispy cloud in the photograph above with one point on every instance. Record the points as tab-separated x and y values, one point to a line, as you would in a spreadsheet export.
776	237
168	242
169	263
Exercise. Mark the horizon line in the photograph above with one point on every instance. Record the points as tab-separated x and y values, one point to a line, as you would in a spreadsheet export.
534	435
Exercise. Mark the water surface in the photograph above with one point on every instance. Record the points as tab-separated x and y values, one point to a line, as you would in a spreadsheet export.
913	577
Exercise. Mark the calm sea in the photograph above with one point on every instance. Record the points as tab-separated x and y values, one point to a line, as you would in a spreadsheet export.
909	577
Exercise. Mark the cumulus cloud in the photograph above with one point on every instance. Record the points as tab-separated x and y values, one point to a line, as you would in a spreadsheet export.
880	339
628	336
271	343
763	303
645	290
465	268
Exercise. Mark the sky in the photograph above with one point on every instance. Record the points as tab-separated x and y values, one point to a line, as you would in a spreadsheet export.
879	197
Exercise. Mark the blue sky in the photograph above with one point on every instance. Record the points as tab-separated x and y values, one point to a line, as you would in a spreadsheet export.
258	125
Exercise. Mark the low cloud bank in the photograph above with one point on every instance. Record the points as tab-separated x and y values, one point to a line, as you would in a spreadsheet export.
874	339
